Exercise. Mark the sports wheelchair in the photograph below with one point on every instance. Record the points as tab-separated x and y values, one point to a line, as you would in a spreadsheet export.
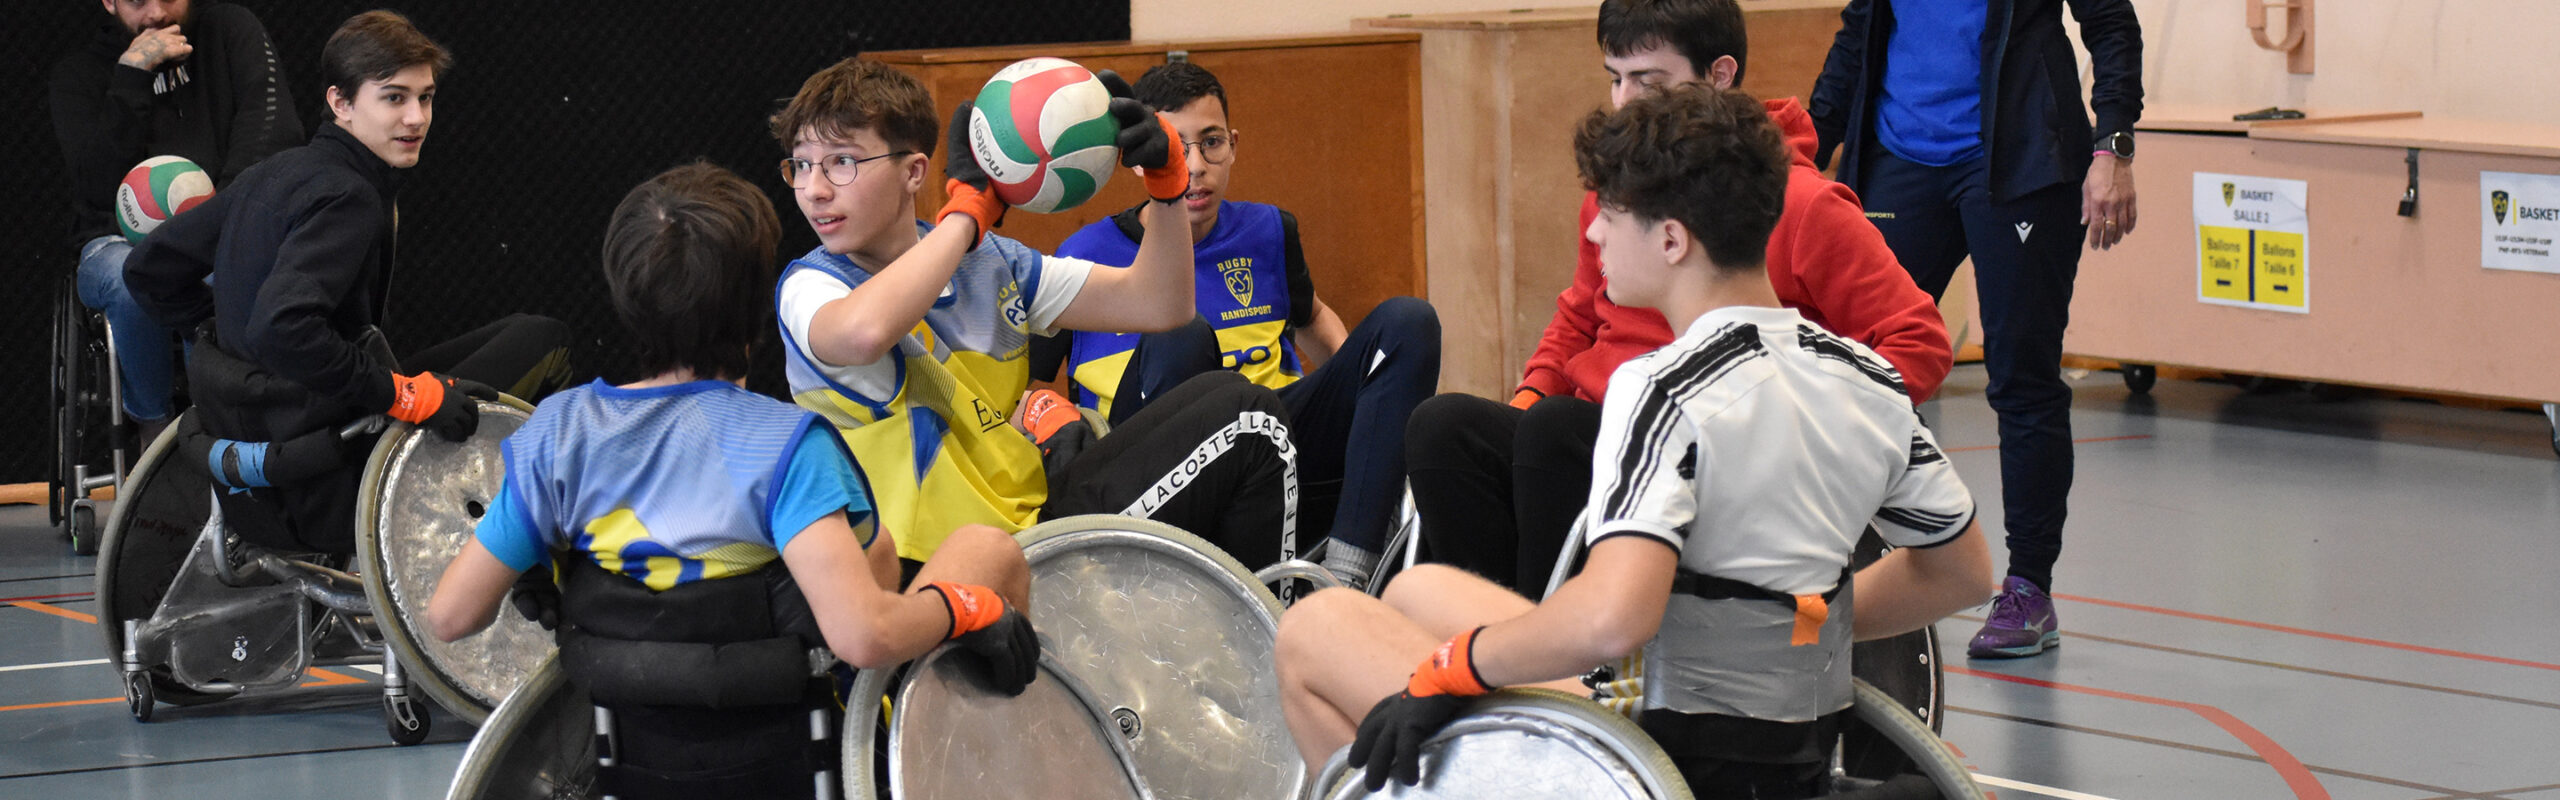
192	613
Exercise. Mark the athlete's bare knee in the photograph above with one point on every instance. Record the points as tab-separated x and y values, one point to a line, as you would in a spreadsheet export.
1423	581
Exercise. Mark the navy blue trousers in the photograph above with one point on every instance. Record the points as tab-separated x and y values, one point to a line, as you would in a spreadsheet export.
1388	365
2026	252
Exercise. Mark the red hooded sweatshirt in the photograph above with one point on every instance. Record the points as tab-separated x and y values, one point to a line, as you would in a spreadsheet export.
1825	260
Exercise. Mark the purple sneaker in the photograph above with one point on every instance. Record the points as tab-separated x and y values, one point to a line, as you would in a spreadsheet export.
2022	623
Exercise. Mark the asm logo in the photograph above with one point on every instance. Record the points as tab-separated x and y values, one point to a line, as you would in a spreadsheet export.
2498	205
1239	275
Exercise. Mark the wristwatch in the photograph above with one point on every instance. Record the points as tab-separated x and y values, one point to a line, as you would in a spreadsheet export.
2118	144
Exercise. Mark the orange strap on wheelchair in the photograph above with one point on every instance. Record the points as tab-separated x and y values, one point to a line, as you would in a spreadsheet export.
971	607
1811	612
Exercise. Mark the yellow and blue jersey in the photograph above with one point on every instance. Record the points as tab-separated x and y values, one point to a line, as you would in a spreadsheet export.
669	484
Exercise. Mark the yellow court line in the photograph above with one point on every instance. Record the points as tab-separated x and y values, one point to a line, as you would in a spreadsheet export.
75	616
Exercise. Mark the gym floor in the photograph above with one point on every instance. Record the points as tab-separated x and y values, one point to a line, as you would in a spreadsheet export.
2272	594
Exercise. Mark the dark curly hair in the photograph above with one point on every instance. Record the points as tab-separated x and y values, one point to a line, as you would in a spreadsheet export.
1707	158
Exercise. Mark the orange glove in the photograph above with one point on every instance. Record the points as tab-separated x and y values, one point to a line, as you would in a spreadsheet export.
1044	412
979	205
1525	398
968	184
1147	141
421	400
982	625
1450	670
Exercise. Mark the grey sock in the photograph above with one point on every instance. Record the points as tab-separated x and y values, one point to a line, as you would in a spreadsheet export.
1349	563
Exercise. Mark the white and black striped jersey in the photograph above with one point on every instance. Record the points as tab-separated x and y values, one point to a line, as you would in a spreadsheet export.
1761	446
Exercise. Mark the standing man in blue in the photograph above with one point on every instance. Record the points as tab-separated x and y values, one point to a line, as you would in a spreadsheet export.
1987	151
1259	315
161	78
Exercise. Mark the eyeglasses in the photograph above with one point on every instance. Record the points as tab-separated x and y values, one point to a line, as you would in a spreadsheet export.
840	169
1214	148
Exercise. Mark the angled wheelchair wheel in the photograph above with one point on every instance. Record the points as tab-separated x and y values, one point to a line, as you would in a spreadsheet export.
1149	635
157	516
84	419
1917	755
539	742
419	502
1527	743
1906	667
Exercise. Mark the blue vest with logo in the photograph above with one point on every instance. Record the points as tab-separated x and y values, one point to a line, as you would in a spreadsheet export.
1241	287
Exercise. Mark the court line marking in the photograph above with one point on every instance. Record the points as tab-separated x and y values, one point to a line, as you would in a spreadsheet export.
61	703
2212	751
2496	795
50	577
1981	447
2335	637
2304	784
325	677
54	665
207	760
2392	682
74	616
2048	791
61	596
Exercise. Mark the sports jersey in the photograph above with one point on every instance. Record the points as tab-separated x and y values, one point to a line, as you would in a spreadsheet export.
928	420
1760	447
668	484
1250	284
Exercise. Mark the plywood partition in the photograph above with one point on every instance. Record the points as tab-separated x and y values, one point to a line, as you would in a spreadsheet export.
1501	94
1328	130
2395	302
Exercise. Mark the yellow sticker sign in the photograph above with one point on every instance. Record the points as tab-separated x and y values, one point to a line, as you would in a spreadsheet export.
2252	242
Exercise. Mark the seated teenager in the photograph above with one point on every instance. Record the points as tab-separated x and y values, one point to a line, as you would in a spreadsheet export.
707	537
912	336
1259	315
299	249
1497	485
1737	467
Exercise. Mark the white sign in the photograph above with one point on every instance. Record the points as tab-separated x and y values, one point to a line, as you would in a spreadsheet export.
2519	221
2253	242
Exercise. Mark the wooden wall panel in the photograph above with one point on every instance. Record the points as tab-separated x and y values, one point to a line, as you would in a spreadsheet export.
1329	131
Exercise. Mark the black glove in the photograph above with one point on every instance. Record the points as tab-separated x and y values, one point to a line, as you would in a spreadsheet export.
1010	648
1391	737
961	162
537	597
1147	142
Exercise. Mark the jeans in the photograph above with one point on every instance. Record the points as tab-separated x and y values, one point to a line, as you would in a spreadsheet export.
142	346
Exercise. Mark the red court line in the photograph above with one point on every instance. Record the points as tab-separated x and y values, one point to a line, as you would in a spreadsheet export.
44	597
1980	447
2335	637
2304	784
74	616
59	704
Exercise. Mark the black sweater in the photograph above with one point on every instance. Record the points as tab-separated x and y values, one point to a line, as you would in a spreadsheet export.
225	107
2035	131
300	249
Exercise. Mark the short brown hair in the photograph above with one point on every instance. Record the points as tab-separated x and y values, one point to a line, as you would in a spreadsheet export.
1701	30
689	260
1707	158
859	93
374	46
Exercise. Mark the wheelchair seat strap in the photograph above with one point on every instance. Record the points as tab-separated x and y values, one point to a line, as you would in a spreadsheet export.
1812	610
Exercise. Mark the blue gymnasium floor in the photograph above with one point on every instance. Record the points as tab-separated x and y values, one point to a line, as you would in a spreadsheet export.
2263	595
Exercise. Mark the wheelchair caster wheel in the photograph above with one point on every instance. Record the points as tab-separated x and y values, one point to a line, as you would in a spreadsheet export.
138	696
407	719
2140	377
82	525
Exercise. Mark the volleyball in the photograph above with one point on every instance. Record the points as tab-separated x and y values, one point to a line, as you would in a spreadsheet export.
1042	130
157	189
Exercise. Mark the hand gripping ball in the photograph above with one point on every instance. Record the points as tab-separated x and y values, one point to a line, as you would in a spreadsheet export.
159	188
1042	130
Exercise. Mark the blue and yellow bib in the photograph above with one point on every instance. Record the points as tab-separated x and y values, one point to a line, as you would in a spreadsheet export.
940	453
1242	288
